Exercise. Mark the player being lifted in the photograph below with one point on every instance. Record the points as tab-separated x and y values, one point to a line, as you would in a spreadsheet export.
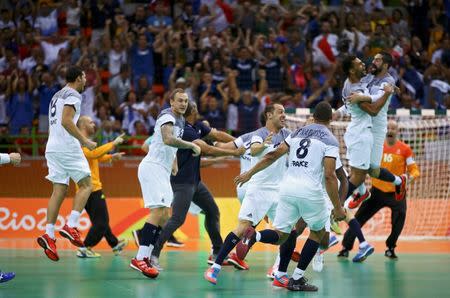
261	197
312	151
377	81
154	176
65	160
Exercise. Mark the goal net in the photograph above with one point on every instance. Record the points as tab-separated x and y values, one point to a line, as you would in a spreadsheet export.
428	205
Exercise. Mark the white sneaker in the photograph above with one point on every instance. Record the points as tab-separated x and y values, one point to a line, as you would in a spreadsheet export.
317	262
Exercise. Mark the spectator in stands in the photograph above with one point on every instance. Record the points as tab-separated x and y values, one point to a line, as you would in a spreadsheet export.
119	86
46	90
142	60
20	106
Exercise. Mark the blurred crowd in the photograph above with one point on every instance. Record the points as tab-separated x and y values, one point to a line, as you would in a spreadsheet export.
233	57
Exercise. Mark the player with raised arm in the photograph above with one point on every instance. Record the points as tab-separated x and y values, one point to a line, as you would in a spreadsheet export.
154	176
65	161
312	151
261	197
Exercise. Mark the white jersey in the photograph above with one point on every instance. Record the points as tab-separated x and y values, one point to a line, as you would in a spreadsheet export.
375	87
59	139
307	148
246	158
272	175
360	120
159	152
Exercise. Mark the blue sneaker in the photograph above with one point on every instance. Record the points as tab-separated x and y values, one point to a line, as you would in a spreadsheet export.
333	241
211	275
363	253
6	276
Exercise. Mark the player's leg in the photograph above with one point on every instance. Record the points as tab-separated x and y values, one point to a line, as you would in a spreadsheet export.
204	199
95	208
48	240
182	197
364	213
398	217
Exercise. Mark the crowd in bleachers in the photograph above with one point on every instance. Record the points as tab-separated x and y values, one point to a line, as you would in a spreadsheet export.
232	57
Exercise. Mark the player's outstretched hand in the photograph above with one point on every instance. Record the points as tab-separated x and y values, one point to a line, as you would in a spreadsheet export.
339	214
90	144
242	178
117	156
119	140
196	149
15	158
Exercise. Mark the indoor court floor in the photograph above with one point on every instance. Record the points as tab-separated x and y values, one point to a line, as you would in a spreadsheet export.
413	275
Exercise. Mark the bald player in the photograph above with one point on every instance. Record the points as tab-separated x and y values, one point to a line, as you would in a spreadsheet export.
96	205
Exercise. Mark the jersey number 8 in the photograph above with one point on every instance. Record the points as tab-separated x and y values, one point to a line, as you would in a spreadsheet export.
302	150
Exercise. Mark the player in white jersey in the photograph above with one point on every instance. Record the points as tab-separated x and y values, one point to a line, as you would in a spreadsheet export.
312	157
245	160
154	176
261	197
376	82
65	161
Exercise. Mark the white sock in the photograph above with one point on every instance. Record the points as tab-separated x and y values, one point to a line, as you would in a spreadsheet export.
73	219
142	252
258	236
298	273
362	188
50	230
150	250
280	274
82	248
277	261
216	266
363	244
318	251
397	180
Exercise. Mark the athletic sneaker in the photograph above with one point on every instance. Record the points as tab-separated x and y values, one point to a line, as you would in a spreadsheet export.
211	275
173	242
49	246
357	199
301	285
136	236
86	252
343	253
6	276
281	282
363	253
270	273
73	235
237	262
120	246
295	257
154	261
144	267
333	241
317	262
335	227
390	253
212	259
243	246
400	190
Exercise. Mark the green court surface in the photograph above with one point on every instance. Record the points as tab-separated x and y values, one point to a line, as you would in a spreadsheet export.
413	275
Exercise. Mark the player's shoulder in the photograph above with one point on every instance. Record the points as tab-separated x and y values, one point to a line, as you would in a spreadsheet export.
262	132
405	148
169	115
318	132
285	132
68	92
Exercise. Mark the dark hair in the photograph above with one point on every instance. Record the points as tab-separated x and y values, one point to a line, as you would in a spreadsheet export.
347	64
268	109
175	92
323	112
73	73
387	58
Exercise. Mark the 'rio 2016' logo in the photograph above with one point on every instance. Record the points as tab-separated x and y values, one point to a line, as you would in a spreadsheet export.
14	222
